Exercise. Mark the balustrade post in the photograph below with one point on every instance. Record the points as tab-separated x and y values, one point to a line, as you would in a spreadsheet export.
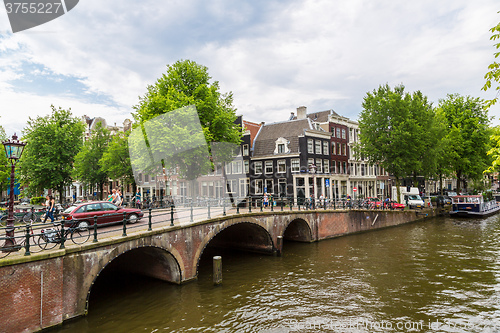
282	203
63	236
124	234
249	204
171	215
95	229
27	245
237	207
271	202
223	207
191	219
208	206
290	201
261	204
149	220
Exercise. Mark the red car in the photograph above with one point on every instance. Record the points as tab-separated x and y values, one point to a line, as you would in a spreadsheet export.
394	205
106	212
372	203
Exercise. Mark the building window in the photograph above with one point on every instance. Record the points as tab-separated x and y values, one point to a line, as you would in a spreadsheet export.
259	186
295	165
236	166
343	133
325	147
246	164
245	150
269	188
344	149
146	178
281	148
345	167
232	185
334	151
319	165
318	146
257	168
269	166
338	133
339	149
334	164
282	187
281	166
326	166
244	187
218	169
310	161
310	146
227	168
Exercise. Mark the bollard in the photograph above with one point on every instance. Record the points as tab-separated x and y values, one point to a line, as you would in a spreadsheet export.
279	245
217	260
290	200
171	215
124	234
150	227
95	229
27	246
261	204
271	203
223	207
249	204
237	208
63	236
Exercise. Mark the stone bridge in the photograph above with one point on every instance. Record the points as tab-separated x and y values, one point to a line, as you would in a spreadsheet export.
47	288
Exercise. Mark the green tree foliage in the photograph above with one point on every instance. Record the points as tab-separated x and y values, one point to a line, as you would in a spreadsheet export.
494	151
52	144
394	131
187	83
116	159
87	169
493	75
468	136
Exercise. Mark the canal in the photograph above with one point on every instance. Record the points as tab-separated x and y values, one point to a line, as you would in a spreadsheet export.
441	275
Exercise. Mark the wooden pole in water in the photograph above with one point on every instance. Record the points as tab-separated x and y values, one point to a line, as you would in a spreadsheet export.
279	245
217	270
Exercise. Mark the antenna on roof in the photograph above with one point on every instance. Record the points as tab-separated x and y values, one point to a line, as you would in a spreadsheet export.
292	115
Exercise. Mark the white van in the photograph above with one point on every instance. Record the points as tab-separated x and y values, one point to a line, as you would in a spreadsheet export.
414	201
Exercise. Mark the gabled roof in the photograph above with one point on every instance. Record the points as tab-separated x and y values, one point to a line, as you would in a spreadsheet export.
253	128
269	133
321	116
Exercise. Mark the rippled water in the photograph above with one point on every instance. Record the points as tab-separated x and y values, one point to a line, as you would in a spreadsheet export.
441	275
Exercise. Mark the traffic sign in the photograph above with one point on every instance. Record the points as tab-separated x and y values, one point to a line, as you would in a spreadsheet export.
327	182
354	189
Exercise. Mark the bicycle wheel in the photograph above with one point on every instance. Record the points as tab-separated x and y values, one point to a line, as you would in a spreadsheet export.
47	241
81	233
3	220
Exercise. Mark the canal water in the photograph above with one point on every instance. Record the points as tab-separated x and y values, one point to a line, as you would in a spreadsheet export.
441	275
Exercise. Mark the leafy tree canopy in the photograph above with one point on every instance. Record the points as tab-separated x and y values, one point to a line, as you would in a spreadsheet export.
493	75
116	159
52	144
87	168
4	164
468	134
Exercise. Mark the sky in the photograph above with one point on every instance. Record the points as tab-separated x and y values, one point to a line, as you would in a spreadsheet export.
273	55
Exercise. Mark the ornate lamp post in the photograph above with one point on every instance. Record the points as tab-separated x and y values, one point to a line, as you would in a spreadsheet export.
13	149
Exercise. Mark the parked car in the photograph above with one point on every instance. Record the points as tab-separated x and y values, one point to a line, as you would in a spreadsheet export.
443	199
372	202
107	213
394	205
414	201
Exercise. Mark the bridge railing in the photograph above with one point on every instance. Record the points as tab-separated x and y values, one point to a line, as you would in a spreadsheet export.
34	237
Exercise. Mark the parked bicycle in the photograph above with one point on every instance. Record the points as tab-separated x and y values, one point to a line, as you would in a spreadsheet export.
30	218
78	232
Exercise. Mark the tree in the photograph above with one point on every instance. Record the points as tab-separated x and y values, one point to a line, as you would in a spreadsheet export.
185	139
393	131
468	134
494	151
116	159
87	167
493	75
52	144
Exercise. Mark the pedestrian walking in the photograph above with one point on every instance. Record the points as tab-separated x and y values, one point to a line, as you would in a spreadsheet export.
51	205
138	200
118	199
265	200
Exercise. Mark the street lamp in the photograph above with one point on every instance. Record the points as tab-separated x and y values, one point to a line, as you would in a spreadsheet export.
13	150
312	170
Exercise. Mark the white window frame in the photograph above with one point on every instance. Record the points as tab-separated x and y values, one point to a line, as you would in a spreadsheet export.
317	146
310	146
258	189
325	147
245	150
268	167
246	166
281	166
326	166
295	163
257	167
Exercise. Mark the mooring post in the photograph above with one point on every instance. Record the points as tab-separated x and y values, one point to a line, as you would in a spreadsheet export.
95	229
217	270
150	227
279	245
172	215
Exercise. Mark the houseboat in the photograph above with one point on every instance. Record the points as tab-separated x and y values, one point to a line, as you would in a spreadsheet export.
473	206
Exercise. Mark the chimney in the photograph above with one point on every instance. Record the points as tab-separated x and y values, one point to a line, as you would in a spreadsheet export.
301	112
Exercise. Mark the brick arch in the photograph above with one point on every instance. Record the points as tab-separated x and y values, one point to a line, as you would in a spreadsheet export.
233	223
149	260
299	230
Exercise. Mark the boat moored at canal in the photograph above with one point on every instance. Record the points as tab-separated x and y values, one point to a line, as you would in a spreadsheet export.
473	206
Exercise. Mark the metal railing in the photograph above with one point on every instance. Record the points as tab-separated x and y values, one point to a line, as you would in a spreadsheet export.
35	236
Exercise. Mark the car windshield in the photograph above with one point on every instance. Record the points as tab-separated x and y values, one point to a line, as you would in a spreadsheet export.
69	209
414	197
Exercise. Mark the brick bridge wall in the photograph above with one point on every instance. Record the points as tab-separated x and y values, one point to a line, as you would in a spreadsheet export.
45	289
